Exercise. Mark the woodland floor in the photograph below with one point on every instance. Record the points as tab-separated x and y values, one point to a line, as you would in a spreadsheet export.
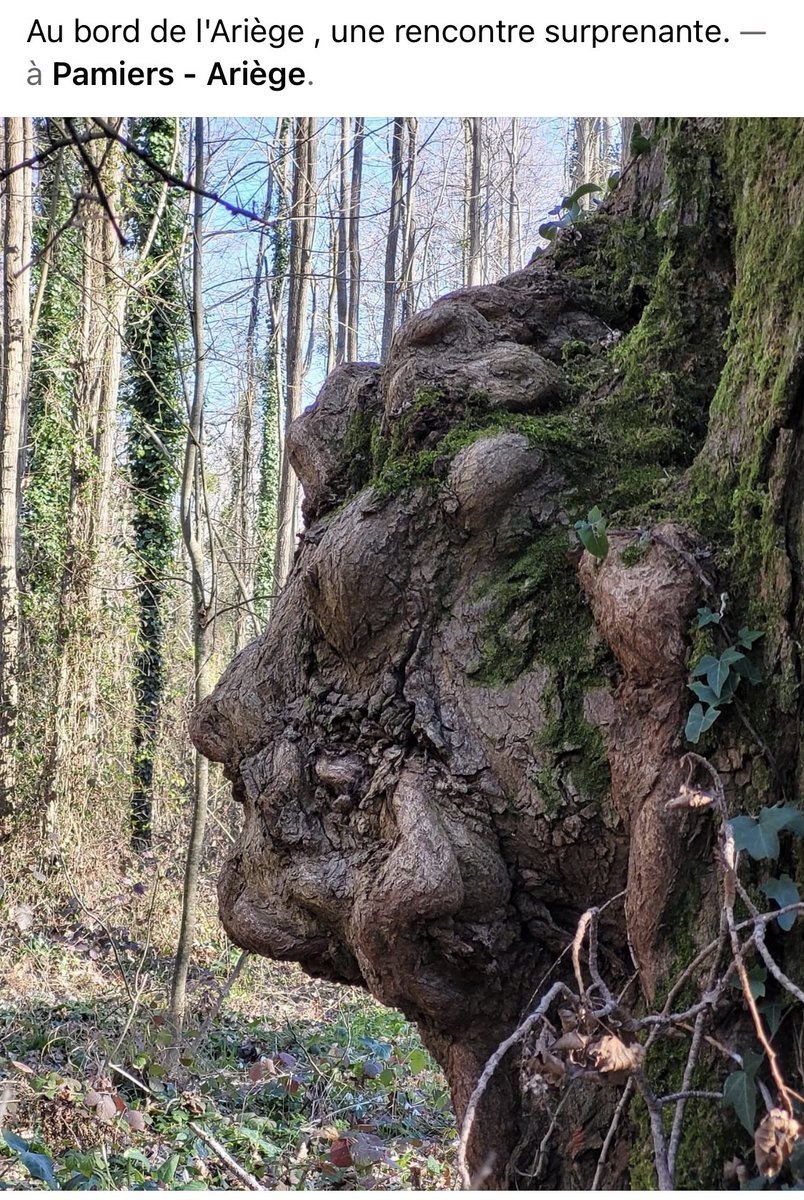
306	1085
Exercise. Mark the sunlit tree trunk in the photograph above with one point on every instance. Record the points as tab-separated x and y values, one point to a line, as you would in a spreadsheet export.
353	315
409	238
392	242
302	227
472	202
72	738
16	348
196	533
514	253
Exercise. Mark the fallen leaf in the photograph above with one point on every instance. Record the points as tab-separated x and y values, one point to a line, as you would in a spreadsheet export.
610	1054
570	1041
340	1154
134	1119
23	917
776	1135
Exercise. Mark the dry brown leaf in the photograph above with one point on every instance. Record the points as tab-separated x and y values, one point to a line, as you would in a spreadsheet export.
134	1119
568	1018
774	1140
570	1041
735	1172
92	1098
610	1054
548	1066
689	797
21	1066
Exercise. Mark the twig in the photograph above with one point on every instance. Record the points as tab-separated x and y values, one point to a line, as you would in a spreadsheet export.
663	1176
545	1142
692	1056
693	1094
234	975
612	1129
240	1173
94	175
558	989
773	966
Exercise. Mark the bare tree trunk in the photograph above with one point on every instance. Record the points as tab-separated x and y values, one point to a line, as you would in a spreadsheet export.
409	240
195	531
513	198
244	514
392	242
341	278
72	741
271	444
353	317
16	309
473	223
586	164
302	227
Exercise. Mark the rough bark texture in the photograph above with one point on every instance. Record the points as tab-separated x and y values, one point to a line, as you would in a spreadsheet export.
456	733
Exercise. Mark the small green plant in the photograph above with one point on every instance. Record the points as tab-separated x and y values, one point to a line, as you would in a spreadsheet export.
716	678
639	143
592	533
571	211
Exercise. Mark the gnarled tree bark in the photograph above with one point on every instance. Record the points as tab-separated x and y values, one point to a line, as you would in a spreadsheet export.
458	732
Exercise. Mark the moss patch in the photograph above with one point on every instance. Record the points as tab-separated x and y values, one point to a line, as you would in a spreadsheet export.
537	613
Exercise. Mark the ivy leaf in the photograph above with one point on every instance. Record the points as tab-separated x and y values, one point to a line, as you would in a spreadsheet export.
592	533
784	891
747	670
39	1166
772	1011
752	1061
718	674
784	816
548	231
761	837
699	721
704	665
417	1061
14	1142
756	982
707	617
585	189
740	1093
747	637
748	835
704	693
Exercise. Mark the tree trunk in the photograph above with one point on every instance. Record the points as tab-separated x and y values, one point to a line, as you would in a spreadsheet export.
302	225
392	241
462	731
72	743
155	402
409	222
474	146
353	318
16	310
195	520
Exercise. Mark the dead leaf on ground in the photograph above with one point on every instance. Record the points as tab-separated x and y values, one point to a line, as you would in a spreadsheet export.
134	1119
